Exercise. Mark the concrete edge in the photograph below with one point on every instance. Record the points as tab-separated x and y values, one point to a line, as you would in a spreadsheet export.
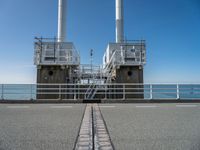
151	101
40	101
96	101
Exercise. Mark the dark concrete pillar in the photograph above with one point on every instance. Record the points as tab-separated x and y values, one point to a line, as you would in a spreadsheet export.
130	75
53	75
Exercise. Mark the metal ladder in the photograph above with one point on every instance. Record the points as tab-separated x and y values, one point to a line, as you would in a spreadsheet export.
94	87
90	91
109	72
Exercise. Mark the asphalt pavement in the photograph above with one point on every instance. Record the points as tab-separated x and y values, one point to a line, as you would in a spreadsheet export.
153	126
39	127
131	126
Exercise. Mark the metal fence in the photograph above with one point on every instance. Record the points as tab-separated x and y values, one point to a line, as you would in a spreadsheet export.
99	91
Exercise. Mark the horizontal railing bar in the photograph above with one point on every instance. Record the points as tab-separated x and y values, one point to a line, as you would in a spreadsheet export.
82	93
76	90
107	84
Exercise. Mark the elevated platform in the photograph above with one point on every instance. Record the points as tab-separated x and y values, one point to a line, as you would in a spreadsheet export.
49	52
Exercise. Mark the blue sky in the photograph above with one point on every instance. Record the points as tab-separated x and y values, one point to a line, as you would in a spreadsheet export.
171	28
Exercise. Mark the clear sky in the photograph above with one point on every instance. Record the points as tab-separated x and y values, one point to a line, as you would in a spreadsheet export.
171	28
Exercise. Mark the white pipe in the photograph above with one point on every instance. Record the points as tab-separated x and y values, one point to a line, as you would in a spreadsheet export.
62	14
119	21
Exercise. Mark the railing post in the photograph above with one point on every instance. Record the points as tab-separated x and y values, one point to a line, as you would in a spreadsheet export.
2	92
105	93
177	92
124	94
151	91
78	91
74	89
31	88
59	91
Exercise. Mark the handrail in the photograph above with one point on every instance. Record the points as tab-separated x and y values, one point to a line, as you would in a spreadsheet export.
102	91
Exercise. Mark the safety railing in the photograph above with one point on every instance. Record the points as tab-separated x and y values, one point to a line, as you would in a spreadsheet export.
51	52
107	91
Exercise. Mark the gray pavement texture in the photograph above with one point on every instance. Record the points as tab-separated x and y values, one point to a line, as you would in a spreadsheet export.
39	127
131	126
153	126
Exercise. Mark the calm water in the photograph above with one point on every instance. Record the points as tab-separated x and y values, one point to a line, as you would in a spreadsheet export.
18	92
27	92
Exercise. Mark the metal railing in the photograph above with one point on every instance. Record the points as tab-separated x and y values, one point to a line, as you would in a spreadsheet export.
108	91
125	54
51	52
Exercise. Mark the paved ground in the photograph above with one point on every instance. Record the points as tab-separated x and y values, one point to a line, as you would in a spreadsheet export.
153	126
39	127
131	126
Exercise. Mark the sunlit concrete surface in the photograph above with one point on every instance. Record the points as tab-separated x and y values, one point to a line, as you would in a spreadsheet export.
153	126
39	127
131	126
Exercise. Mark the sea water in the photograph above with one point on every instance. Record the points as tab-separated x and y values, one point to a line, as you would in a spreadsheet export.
18	91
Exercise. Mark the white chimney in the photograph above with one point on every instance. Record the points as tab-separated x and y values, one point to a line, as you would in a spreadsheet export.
62	14
119	21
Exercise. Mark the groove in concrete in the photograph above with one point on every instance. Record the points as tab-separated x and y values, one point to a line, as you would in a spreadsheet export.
102	139
85	140
93	133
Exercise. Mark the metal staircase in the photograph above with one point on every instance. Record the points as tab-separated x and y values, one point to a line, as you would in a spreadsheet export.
100	78
91	91
96	77
96	86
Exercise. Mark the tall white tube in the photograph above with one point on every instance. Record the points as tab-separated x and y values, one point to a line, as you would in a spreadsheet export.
62	14
119	21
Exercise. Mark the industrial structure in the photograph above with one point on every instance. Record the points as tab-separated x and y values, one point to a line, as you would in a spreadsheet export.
58	62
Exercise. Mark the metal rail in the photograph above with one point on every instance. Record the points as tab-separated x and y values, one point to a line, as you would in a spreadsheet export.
107	91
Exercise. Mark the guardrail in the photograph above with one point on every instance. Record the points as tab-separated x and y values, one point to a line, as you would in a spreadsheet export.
102	91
